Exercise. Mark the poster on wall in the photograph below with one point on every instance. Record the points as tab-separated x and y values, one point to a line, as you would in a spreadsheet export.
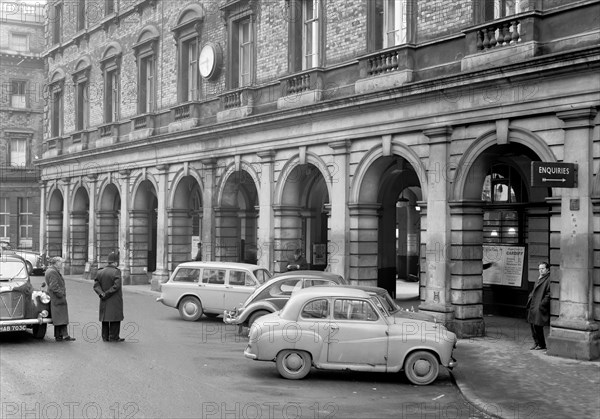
503	265
319	254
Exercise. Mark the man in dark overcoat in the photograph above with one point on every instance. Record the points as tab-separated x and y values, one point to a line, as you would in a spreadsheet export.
538	306
59	310
109	288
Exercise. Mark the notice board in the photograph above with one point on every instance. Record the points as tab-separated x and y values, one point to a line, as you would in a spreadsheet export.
503	264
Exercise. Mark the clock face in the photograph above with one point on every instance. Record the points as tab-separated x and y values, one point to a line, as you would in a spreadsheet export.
207	61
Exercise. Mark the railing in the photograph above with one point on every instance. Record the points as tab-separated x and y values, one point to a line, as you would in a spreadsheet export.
232	100
182	112
303	82
383	63
140	122
498	34
298	84
76	137
105	130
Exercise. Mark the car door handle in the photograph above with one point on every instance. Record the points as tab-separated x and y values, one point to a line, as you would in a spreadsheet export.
334	327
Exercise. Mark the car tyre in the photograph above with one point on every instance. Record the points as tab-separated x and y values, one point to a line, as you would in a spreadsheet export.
39	330
190	309
421	368
255	316
293	364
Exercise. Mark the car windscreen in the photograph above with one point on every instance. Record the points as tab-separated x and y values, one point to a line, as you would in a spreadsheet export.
262	275
382	304
12	269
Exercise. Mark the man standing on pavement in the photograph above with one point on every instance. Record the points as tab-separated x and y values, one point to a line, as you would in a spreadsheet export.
58	299
538	306
108	287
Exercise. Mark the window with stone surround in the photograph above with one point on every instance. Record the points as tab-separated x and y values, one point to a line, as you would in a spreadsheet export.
187	37
390	23
55	93
110	63
488	10
305	34
109	7
242	52
17	150
4	219
25	208
82	104
18	94
145	51
56	18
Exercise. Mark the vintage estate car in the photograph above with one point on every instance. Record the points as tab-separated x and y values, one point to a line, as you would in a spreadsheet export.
197	288
21	307
342	328
35	261
272	295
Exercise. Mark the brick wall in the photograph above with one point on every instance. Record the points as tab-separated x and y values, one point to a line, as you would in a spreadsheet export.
438	18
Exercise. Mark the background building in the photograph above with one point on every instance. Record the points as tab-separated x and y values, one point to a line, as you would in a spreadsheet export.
22	77
383	138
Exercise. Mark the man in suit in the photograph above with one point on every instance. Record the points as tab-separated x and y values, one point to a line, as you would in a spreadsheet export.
108	287
58	299
538	306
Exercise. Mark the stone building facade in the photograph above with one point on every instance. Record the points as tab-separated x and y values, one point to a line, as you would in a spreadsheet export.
22	77
384	138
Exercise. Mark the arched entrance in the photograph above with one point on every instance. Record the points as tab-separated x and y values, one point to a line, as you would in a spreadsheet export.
54	224
143	233
79	230
515	228
185	222
236	219
303	217
107	216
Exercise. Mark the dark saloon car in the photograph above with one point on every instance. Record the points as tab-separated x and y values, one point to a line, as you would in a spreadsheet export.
273	294
21	307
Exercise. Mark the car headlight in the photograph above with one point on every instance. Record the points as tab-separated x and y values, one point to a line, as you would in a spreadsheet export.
44	298
44	313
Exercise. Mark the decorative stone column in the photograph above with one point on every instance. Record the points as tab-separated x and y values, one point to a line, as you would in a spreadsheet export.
364	248
92	259
124	231
43	216
437	281
66	242
264	243
208	203
161	274
466	255
339	215
575	334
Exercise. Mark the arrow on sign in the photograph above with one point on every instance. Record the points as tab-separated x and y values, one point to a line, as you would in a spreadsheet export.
562	179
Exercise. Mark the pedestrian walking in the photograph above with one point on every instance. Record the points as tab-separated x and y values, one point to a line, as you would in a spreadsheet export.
538	306
58	299
107	285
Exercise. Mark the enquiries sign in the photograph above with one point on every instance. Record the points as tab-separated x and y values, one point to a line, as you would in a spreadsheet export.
553	175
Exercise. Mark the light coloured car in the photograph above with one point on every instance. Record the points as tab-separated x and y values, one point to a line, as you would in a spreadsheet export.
36	261
21	306
340	328
274	294
197	288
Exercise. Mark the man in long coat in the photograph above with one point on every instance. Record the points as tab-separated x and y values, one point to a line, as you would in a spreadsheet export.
58	300
538	306
108	287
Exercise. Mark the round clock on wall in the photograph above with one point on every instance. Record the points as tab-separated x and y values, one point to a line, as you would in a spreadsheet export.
209	61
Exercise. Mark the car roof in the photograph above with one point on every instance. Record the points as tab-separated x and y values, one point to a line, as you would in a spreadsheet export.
223	265
10	256
290	310
307	274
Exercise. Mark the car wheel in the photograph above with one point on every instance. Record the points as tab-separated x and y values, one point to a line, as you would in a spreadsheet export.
39	330
190	309
211	315
293	364
29	267
421	368
255	316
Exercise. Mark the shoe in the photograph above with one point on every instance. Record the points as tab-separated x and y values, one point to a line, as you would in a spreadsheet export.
117	340
541	348
534	347
68	339
58	339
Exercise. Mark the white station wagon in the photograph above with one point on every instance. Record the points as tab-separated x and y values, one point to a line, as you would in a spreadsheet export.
197	288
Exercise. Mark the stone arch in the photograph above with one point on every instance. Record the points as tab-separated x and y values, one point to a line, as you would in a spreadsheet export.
57	75
361	190
148	32
83	63
230	171
192	11
140	178
113	49
179	175
107	186
290	165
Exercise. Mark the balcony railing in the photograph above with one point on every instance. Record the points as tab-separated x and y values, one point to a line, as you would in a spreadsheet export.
303	82
498	34
182	112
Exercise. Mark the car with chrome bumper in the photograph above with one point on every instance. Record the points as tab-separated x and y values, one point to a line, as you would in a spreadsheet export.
21	306
35	261
274	294
341	328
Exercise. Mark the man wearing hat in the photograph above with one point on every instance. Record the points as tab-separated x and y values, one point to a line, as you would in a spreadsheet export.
108	287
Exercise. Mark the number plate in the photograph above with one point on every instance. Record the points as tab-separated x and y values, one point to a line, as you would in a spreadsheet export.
13	328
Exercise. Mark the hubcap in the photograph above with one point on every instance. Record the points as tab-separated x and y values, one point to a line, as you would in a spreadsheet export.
422	368
293	362
190	309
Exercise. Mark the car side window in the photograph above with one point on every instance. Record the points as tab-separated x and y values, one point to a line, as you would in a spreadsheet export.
239	278
187	275
213	276
354	310
284	287
313	282
316	309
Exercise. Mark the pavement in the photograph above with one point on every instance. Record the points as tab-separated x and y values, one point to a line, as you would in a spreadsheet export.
501	376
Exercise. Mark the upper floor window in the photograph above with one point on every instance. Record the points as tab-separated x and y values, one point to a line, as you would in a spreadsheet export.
56	19
390	23
187	35
145	50
305	36
82	104
81	15
242	58
18	152
111	65
488	10
19	42
4	218
25	206
55	89
18	96
109	7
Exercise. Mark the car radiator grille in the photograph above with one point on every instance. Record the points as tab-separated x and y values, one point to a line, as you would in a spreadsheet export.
12	305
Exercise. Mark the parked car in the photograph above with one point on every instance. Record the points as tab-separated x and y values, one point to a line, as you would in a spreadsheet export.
21	307
274	294
36	262
197	288
340	328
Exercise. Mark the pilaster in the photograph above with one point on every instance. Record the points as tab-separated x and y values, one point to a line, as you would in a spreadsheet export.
208	220
364	247
92	262
161	274
66	243
124	230
266	215
339	216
